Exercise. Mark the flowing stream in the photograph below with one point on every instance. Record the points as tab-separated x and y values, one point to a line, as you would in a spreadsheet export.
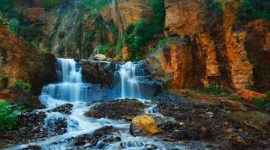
71	89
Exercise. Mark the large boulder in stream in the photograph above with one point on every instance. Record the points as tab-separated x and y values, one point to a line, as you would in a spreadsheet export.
143	125
98	72
118	109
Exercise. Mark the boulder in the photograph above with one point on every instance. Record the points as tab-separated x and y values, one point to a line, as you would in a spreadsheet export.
117	109
143	125
100	57
98	72
64	109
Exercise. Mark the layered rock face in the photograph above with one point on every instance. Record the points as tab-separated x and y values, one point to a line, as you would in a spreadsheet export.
19	61
212	47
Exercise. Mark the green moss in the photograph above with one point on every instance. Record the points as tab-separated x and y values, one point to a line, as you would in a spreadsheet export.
8	118
254	9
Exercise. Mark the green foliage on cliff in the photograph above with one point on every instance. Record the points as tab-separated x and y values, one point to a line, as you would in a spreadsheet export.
50	4
96	4
8	118
21	85
159	15
254	9
104	48
13	26
137	36
6	5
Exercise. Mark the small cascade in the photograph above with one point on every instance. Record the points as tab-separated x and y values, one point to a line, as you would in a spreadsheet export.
70	87
127	80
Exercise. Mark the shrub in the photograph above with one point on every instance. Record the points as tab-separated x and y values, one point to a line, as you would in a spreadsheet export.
6	4
51	4
254	9
21	85
13	26
159	15
214	90
259	103
8	118
96	4
137	36
104	48
163	42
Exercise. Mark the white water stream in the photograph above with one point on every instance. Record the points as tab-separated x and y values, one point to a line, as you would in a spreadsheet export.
72	90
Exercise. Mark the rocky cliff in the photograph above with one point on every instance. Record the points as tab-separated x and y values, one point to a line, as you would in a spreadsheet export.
209	45
21	62
208	42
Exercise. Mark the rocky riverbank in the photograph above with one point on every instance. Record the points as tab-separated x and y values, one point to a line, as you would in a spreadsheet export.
177	120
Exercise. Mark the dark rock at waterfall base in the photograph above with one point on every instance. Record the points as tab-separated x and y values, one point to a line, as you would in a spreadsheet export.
30	127
42	71
56	126
98	72
90	140
64	109
117	109
32	147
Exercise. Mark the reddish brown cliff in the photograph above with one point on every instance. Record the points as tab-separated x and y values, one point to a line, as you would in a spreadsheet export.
213	47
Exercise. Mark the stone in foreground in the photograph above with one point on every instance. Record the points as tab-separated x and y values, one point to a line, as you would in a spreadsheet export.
143	125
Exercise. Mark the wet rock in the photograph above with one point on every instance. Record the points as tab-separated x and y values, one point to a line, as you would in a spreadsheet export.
150	147
32	147
64	109
92	139
98	72
107	140
56	126
118	109
143	125
128	144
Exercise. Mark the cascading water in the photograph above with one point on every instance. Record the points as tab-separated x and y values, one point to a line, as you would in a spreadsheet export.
71	89
127	80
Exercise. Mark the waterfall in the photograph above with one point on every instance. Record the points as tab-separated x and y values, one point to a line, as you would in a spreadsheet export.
70	87
127	79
